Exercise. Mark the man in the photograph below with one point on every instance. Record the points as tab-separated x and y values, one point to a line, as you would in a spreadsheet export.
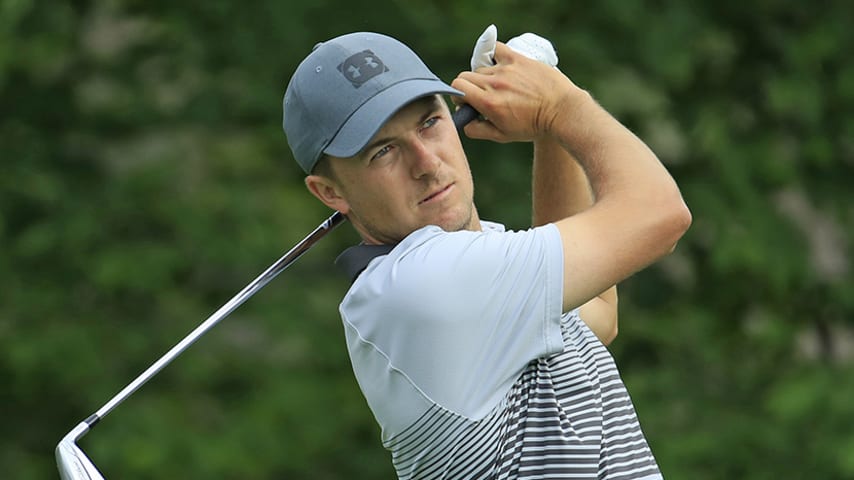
475	346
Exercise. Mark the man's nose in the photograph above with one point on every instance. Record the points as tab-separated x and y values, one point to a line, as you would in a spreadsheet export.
423	160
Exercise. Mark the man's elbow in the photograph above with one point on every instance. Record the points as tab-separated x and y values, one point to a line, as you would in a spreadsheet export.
684	217
610	328
675	223
611	334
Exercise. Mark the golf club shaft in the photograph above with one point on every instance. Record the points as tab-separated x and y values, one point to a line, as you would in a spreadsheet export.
257	284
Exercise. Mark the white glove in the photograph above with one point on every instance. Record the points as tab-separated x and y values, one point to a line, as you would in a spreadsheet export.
528	44
484	48
536	47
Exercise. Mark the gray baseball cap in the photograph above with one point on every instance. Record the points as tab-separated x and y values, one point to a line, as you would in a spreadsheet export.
346	89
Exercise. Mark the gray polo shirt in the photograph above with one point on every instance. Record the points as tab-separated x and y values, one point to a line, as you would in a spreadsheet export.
471	369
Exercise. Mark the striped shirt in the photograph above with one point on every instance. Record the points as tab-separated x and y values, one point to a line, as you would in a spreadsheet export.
472	372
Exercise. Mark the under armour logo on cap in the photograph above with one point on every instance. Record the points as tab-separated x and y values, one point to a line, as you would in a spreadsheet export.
361	67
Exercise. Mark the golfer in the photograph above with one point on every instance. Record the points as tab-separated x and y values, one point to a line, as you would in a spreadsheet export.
481	351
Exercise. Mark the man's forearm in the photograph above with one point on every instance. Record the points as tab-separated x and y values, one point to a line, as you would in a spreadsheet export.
616	162
560	187
638	214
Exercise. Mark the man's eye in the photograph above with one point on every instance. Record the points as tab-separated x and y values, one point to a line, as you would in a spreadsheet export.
381	152
430	122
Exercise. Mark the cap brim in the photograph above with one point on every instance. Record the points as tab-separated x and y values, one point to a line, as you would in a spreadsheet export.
358	130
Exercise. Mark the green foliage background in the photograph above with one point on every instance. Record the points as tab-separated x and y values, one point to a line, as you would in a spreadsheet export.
145	180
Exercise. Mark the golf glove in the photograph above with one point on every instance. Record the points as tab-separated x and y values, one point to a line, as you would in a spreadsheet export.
528	44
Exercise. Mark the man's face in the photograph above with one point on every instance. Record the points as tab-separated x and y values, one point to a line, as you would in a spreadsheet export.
413	173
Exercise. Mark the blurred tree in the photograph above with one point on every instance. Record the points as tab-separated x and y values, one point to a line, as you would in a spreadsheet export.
145	180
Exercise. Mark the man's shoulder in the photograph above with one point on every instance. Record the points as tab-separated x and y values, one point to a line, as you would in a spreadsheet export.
432	256
492	226
432	231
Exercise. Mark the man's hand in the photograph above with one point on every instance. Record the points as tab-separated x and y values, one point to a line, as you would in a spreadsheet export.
528	44
519	98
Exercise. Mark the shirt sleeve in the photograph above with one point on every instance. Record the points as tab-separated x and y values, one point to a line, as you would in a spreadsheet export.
456	316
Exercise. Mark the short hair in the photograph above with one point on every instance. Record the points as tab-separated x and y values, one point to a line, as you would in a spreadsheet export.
323	168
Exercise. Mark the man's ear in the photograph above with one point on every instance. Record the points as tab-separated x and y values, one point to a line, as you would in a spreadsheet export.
328	192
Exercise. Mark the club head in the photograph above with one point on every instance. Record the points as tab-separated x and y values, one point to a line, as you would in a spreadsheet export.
73	464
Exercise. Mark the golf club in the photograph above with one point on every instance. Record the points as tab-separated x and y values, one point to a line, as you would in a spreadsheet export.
73	464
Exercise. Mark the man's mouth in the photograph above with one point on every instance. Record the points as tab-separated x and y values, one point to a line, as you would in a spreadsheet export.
437	194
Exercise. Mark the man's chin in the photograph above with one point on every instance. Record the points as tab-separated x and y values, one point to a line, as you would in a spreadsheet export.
458	224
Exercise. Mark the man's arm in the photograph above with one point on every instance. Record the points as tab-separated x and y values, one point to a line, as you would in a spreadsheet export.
561	189
638	214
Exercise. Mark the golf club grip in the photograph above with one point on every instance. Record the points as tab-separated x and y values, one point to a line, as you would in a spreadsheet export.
465	114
